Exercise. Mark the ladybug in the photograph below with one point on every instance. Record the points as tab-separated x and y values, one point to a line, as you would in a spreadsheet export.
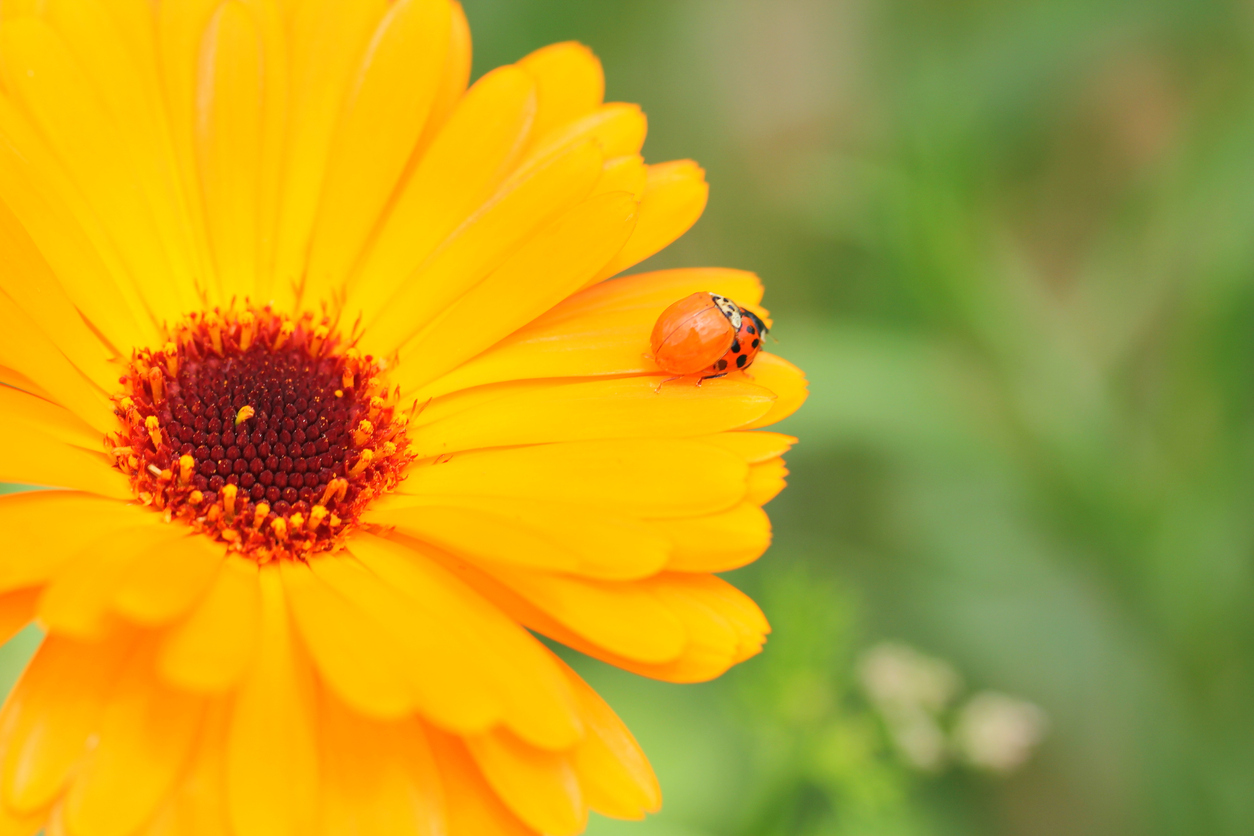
706	334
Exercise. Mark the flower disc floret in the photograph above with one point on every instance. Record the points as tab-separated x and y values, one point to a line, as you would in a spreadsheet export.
266	432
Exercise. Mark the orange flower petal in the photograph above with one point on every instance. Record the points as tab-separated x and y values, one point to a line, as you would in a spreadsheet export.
716	542
78	598
652	477
466	161
383	117
44	529
594	409
539	787
548	536
17	609
46	721
570	83
674	198
472	808
271	754
603	330
784	379
613	771
210	649
481	245
766	480
477	654
166	582
379	779
356	660
146	734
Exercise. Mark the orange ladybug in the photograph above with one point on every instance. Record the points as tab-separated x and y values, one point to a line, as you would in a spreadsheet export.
706	334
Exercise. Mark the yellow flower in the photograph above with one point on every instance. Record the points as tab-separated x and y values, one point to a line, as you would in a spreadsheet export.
317	348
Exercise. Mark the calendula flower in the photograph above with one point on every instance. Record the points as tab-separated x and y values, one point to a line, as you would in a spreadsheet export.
321	358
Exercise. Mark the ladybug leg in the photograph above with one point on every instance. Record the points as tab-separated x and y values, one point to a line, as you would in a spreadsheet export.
710	377
658	390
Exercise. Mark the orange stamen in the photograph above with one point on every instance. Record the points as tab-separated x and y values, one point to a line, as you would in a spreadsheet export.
171	352
228	501
316	515
367	456
285	330
245	412
363	433
247	330
262	511
187	466
156	380
154	429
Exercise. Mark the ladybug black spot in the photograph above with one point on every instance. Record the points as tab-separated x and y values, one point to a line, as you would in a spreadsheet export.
741	360
720	365
735	347
750	330
755	343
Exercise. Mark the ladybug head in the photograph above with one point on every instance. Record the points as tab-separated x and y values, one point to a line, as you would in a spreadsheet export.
756	320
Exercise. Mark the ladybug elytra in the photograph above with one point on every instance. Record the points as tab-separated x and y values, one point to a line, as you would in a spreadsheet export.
706	334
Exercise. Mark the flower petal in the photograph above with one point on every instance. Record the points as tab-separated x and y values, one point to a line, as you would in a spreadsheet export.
483	243
34	414
44	199
17	609
472	807
146	734
753	447
543	272
44	529
197	805
466	161
570	84
548	536
454	77
613	771
357	661
625	618
766	480
32	285
651	477
27	349
209	650
540	787
383	117
271	754
229	139
491	655
77	600
674	198
716	542
164	583
328	39
53	709
594	409
784	379
603	330
43	75
617	128
379	779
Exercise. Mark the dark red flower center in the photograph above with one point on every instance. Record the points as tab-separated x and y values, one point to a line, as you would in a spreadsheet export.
260	430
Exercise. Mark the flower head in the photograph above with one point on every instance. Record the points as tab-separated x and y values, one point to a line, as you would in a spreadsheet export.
323	360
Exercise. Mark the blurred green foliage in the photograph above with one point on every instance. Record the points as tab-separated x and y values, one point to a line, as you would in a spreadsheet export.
1012	243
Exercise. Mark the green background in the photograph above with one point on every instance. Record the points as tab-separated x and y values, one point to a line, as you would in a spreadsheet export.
1012	244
